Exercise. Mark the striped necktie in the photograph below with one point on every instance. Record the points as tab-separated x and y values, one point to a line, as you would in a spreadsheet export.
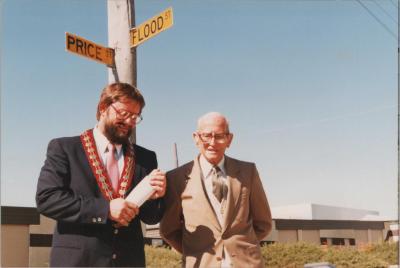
218	184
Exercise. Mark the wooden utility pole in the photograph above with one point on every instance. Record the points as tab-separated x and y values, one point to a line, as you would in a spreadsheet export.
176	155
121	18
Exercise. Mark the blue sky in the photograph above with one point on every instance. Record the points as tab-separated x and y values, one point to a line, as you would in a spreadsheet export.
310	89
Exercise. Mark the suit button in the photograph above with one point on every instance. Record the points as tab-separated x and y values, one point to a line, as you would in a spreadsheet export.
94	220
99	219
219	258
114	256
116	231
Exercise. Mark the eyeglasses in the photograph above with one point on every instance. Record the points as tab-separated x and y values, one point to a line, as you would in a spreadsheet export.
122	114
218	137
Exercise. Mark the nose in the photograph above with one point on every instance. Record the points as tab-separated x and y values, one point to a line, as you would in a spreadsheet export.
212	141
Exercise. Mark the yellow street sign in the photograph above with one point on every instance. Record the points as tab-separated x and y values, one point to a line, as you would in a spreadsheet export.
151	27
88	49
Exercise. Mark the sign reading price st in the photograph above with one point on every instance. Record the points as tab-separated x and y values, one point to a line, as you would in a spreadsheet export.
89	49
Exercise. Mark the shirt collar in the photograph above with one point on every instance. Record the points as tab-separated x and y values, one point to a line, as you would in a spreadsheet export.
102	142
207	166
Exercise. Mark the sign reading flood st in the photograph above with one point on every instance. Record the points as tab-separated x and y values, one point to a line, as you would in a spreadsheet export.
151	27
88	49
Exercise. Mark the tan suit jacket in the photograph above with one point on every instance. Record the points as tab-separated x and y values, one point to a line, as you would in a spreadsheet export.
191	227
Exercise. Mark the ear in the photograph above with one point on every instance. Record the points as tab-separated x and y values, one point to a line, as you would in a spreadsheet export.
102	108
230	138
195	138
102	113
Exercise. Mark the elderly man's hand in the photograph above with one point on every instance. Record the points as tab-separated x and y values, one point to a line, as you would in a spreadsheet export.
158	182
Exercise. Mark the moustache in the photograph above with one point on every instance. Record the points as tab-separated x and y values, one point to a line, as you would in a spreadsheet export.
123	125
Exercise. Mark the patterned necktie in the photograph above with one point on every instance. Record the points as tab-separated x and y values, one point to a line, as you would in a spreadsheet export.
112	166
217	183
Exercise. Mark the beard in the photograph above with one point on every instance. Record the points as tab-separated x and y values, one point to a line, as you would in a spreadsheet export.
115	135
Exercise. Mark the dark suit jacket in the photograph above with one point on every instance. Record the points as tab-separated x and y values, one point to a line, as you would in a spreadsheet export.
67	191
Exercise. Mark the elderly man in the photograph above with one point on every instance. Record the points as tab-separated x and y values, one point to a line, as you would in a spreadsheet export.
216	208
85	179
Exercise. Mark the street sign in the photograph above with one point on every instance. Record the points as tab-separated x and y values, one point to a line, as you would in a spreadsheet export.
151	27
88	49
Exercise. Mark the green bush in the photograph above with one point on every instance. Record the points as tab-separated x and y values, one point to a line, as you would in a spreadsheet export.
162	257
290	255
294	255
386	251
351	257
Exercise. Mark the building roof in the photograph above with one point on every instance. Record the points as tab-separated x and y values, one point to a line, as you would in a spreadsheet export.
308	211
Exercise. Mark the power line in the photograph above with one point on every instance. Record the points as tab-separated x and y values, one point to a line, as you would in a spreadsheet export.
377	19
391	1
387	13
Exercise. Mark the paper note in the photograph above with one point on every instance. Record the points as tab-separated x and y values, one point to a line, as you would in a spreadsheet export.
141	192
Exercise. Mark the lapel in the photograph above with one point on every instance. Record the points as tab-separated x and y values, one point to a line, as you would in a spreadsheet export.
234	190
196	187
137	172
86	166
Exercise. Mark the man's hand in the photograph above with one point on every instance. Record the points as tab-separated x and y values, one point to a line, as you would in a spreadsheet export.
122	211
158	182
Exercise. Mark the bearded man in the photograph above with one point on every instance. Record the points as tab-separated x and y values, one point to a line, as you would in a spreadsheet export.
85	179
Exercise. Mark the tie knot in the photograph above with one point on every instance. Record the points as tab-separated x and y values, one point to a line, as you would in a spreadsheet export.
216	170
111	147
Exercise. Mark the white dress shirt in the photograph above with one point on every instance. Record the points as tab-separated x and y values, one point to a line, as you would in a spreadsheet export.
206	169
101	146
